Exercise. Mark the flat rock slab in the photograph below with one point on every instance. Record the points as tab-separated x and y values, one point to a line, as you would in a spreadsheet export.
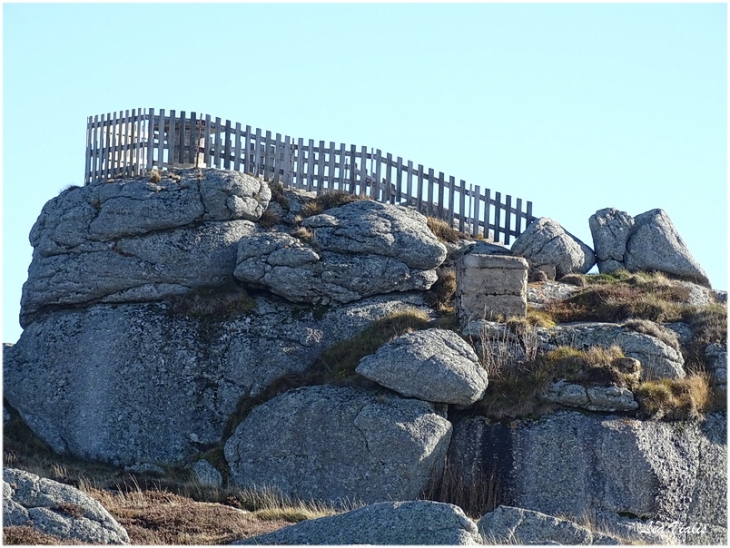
433	365
591	398
387	523
336	444
57	509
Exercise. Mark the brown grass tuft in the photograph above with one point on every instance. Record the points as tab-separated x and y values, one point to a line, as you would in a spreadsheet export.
155	177
304	234
269	218
445	232
328	200
675	399
441	295
30	536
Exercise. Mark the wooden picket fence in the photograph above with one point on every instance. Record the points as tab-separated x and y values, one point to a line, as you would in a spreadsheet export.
133	143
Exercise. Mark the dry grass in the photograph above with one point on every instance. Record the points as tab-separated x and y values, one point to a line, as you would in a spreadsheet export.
162	518
30	536
445	232
441	295
278	195
269	218
155	177
474	495
303	234
680	399
328	200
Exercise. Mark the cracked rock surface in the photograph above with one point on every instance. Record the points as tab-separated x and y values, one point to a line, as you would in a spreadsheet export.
142	383
545	242
413	523
57	509
432	365
360	249
336	444
136	240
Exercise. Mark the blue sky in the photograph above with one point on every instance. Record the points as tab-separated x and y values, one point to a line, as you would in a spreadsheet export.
576	107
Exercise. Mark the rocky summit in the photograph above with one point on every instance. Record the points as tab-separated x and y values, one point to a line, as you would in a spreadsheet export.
282	356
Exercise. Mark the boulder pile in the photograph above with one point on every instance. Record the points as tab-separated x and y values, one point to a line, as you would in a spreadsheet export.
308	345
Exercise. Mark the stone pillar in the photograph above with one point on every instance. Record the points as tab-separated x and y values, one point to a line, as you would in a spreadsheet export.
490	285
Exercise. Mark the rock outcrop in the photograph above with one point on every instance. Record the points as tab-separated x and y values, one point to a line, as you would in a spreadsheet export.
570	463
385	523
157	382
135	240
647	242
338	444
433	365
360	249
545	242
58	510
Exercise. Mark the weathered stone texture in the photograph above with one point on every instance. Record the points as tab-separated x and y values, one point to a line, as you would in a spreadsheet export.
143	383
45	505
490	285
134	240
385	523
545	242
337	444
433	365
508	525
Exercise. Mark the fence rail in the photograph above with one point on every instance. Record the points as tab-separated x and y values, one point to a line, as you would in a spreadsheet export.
132	143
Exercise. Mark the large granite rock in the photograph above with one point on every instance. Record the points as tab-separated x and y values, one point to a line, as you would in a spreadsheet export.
433	365
647	242
336	444
57	509
655	244
413	523
360	249
570	464
292	269
135	240
610	229
545	242
138	383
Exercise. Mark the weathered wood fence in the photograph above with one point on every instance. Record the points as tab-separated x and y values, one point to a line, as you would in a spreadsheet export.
132	143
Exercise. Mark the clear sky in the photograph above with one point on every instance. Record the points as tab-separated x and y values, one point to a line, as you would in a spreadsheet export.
576	107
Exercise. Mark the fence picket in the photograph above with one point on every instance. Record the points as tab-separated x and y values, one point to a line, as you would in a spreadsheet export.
399	180
441	195
409	182
462	203
508	219
497	215
419	192
363	171
475	217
